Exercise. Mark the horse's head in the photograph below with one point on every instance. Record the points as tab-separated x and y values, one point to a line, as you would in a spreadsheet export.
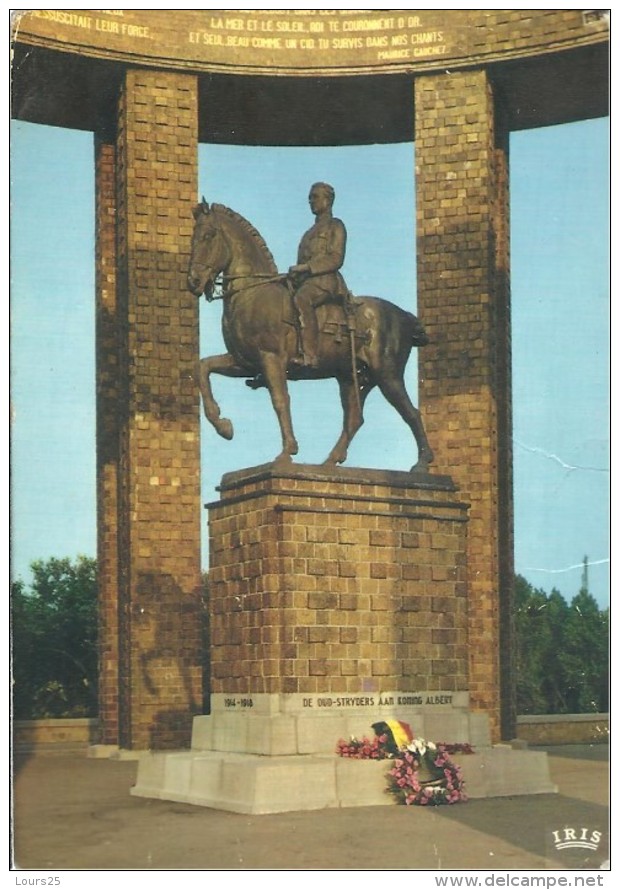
210	254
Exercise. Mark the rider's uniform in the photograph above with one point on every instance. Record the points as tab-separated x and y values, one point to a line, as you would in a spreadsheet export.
322	249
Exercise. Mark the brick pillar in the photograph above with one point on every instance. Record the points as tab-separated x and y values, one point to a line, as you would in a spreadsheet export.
508	688
463	299
160	682
107	337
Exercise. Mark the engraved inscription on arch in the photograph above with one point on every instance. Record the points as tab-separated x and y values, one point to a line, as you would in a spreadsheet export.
329	41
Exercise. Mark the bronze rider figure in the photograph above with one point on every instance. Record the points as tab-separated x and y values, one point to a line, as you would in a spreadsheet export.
316	278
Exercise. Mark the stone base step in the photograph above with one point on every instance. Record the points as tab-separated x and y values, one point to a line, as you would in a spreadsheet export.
284	733
503	771
254	784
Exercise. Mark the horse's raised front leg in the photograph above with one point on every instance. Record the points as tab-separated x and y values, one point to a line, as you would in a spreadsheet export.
226	366
352	420
393	388
274	371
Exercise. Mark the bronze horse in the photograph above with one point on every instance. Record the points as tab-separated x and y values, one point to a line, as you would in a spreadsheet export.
261	334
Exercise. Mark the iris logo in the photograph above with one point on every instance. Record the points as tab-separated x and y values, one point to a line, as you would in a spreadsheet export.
576	838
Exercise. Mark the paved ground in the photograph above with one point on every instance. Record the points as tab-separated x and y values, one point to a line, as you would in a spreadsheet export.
71	812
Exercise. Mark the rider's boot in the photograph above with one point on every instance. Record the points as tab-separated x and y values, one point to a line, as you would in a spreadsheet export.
309	337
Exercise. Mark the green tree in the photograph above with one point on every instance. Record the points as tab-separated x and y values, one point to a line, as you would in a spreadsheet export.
533	642
585	655
54	640
554	679
562	652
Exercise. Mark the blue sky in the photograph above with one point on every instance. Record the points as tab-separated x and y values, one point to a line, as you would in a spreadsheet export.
560	294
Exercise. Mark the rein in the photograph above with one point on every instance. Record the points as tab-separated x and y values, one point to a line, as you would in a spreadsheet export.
220	284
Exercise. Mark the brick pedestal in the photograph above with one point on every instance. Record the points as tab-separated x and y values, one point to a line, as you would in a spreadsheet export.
340	583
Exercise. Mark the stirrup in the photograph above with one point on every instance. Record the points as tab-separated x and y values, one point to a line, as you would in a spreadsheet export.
302	361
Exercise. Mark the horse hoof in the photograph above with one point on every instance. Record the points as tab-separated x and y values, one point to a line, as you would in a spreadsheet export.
225	428
333	461
422	466
283	459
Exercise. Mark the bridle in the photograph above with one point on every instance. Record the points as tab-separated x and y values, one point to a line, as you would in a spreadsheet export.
222	286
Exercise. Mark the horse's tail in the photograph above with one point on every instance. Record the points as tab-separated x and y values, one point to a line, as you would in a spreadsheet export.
419	337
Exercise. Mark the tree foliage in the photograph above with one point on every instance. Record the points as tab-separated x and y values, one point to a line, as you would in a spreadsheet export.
562	652
54	640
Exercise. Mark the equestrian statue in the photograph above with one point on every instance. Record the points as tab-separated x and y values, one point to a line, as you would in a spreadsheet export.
300	325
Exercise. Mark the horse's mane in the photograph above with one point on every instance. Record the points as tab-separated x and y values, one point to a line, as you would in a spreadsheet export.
247	227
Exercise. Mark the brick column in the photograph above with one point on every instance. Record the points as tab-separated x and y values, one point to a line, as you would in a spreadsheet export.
508	688
463	299
107	336
160	682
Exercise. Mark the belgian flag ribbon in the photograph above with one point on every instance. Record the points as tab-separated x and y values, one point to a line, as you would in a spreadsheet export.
398	732
401	732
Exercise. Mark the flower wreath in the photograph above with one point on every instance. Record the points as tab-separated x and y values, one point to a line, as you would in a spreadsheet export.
422	771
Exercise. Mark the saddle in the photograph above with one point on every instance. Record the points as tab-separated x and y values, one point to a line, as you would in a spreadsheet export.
338	317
